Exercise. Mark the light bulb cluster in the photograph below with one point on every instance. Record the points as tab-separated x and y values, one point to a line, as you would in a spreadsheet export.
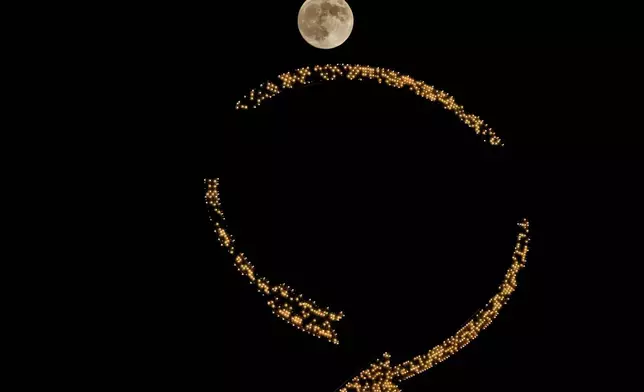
372	379
212	197
480	321
330	72
285	303
309	317
303	314
379	377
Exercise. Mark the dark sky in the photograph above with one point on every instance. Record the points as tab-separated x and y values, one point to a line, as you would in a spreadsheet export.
383	205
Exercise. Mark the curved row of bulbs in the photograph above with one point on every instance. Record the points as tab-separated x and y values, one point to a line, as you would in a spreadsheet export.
285	303
382	377
330	72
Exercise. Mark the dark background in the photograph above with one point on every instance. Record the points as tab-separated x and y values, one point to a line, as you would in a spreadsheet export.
383	205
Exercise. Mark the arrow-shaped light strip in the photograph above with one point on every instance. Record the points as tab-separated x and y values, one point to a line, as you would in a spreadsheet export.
302	313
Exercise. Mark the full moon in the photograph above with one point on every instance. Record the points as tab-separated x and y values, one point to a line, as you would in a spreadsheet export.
325	24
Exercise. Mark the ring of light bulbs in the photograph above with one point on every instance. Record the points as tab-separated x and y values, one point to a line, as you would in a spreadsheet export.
305	314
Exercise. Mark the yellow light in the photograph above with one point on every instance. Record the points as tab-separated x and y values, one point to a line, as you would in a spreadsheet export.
303	76
304	314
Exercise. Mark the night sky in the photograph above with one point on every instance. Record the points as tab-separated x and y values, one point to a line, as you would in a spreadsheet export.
383	205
